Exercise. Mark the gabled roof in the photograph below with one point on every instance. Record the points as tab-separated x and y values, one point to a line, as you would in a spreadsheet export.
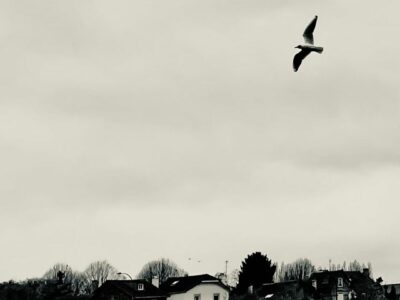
175	285
328	276
355	280
129	288
281	290
326	280
274	287
287	290
361	283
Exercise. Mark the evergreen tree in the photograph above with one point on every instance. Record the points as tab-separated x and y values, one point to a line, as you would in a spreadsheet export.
255	270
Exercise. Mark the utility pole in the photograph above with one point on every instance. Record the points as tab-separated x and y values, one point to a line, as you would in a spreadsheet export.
226	271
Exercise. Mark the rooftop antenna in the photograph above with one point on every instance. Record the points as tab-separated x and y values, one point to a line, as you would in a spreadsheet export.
226	270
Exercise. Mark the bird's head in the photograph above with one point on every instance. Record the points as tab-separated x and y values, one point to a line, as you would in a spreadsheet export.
299	47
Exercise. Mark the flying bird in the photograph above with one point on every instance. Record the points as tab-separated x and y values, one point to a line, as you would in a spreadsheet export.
308	47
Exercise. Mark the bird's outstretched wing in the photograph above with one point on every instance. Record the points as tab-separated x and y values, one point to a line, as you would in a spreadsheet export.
298	58
308	33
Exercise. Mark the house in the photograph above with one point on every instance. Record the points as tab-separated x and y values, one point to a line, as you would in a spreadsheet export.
392	291
287	290
331	285
198	287
345	285
128	290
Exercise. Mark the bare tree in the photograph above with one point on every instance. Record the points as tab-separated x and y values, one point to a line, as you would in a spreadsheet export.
369	266
233	278
52	273
297	270
351	266
163	268
222	277
78	281
80	284
99	272
355	266
279	275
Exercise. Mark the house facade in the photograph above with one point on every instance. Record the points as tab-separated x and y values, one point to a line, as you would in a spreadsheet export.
345	285
392	291
325	285
198	287
331	285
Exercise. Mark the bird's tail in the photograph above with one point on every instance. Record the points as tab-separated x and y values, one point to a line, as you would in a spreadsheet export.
318	49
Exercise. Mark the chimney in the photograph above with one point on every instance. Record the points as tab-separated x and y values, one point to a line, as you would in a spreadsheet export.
366	272
155	281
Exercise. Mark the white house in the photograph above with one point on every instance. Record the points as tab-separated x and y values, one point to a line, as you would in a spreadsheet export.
198	287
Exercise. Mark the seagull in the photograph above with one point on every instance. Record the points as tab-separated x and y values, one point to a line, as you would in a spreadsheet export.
308	47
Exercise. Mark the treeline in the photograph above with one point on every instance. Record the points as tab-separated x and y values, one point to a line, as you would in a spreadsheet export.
302	268
257	269
162	268
83	283
62	282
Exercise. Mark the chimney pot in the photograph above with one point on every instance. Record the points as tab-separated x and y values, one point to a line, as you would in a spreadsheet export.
366	272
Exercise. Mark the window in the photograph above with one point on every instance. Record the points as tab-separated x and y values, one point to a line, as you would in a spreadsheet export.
340	282
216	296
352	295
197	297
140	287
314	283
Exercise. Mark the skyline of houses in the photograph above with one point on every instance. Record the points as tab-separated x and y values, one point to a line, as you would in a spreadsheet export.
320	285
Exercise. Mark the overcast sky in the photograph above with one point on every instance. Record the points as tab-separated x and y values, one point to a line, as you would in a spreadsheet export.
133	130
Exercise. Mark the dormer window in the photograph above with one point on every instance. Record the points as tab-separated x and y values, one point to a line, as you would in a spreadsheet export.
340	282
140	286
